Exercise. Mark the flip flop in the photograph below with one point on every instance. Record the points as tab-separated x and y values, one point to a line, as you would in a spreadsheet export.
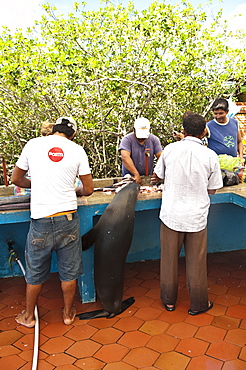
194	313
30	325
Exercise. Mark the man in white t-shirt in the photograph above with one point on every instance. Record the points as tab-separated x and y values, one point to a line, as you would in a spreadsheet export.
191	172
53	163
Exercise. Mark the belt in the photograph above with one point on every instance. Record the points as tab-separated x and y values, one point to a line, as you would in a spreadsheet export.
61	213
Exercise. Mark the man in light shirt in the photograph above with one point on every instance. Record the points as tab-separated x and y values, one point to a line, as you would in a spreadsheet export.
191	172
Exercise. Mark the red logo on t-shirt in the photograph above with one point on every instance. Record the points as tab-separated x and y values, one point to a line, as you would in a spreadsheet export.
56	154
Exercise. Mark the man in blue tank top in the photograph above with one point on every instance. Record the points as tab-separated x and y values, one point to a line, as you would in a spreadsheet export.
224	136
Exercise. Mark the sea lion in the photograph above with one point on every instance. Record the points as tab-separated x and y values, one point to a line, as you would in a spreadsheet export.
112	236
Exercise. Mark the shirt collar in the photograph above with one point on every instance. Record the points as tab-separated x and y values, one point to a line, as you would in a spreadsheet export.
192	138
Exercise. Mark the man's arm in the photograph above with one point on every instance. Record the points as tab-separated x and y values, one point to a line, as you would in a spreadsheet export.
240	146
18	178
87	187
129	164
158	154
211	191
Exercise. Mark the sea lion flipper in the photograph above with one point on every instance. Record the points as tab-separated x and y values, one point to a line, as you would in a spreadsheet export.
93	314
103	313
88	239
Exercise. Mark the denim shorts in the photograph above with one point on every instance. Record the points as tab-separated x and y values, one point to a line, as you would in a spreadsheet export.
53	234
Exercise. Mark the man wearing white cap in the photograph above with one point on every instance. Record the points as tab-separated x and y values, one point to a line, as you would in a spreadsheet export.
138	150
53	162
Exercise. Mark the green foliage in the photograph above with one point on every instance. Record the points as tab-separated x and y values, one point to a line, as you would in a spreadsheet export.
108	67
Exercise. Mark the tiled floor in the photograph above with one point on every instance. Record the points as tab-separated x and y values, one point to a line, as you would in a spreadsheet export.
145	336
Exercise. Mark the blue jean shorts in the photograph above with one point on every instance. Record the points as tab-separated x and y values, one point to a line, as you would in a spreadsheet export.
50	234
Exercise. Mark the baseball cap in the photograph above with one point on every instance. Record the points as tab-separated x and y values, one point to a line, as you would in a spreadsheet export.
68	121
142	127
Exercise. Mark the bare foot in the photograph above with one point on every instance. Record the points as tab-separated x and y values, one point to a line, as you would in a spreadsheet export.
23	320
69	319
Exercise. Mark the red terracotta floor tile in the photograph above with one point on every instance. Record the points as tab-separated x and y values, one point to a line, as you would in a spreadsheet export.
227	300
56	345
237	291
107	336
55	329
154	327
9	337
153	293
151	284
223	351
132	282
60	359
140	357
134	339
217	289
81	332
8	350
228	281
235	365
111	353
136	291
89	363
26	342
146	275
200	320
173	317
119	366
104	323
236	336
226	322
204	363
172	361
143	301
237	311
192	347
147	313
11	362
128	324
83	348
182	330
242	355
163	343
210	334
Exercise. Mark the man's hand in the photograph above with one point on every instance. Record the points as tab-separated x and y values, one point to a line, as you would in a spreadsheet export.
155	179
138	179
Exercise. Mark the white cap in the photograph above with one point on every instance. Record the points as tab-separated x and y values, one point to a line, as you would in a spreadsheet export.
142	127
71	123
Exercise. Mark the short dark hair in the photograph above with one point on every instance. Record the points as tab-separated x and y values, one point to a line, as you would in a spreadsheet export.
194	124
187	113
220	103
63	128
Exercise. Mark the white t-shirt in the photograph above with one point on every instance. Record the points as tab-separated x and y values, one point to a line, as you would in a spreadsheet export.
189	170
53	163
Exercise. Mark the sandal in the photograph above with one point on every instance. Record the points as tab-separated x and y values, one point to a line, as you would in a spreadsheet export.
172	308
194	313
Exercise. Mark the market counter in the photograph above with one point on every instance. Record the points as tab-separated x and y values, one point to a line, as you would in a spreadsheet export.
226	230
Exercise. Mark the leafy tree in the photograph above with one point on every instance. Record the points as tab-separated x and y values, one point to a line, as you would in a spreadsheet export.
108	67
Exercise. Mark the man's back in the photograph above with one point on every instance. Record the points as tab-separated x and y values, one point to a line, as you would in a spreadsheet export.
190	170
53	163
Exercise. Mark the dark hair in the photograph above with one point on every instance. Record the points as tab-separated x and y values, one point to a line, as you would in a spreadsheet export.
220	103
187	113
194	124
63	128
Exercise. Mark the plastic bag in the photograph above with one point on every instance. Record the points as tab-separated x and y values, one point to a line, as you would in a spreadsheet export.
229	178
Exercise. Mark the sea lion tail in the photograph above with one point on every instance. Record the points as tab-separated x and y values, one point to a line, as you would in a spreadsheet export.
88	239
